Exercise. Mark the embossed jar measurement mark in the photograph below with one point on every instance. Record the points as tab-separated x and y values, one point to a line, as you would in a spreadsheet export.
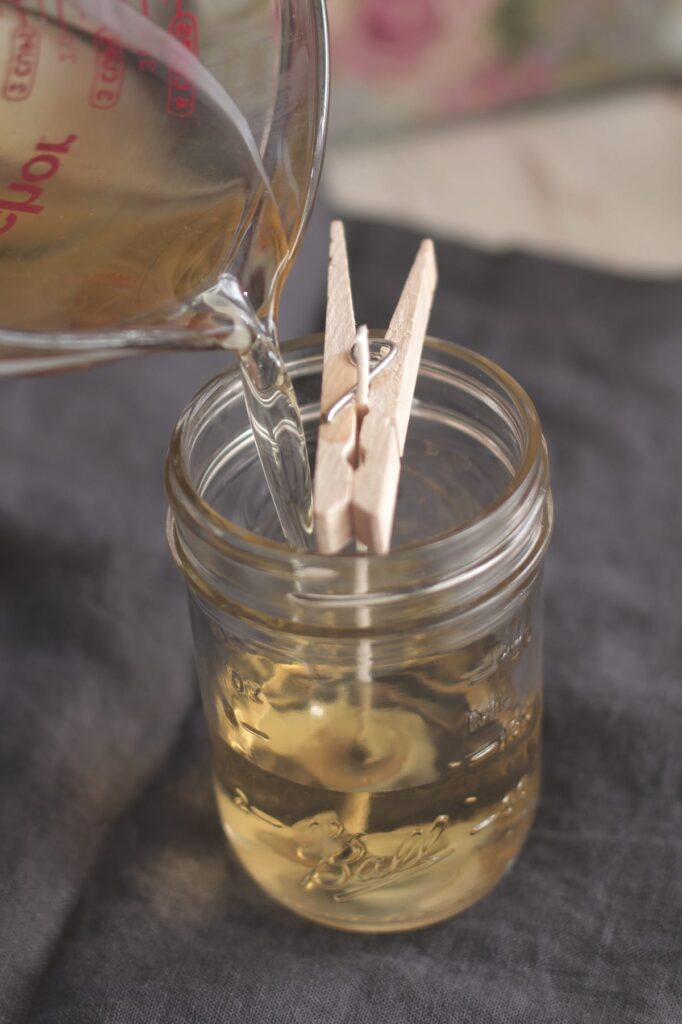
238	723
242	801
242	690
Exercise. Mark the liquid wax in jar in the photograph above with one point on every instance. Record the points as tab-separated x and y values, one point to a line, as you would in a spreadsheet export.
366	799
382	817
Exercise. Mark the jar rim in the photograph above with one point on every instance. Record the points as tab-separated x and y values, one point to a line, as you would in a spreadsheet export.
235	541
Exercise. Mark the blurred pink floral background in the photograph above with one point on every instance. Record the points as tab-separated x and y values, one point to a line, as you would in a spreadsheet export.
398	63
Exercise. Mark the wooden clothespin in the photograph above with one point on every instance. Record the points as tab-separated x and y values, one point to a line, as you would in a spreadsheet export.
336	440
359	452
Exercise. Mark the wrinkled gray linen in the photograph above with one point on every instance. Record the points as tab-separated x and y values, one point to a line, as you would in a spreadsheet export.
118	899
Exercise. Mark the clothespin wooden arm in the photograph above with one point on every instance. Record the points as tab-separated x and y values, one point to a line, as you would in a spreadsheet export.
384	429
337	441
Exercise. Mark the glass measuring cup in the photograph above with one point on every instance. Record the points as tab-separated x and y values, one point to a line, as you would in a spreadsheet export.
159	160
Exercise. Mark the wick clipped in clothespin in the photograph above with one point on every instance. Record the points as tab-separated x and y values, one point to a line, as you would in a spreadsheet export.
362	434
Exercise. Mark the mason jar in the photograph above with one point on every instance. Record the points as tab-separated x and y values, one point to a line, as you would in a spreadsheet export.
374	720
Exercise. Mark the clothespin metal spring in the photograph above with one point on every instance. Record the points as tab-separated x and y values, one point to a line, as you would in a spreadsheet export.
384	351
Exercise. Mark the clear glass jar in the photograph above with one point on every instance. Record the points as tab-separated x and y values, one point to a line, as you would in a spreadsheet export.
375	721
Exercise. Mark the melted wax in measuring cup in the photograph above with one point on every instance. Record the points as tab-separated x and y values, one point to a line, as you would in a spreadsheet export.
133	198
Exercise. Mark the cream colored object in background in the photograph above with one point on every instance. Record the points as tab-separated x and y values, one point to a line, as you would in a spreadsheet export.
599	182
403	64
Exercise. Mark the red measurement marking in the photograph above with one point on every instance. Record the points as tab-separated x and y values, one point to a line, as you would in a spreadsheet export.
145	62
107	77
21	14
67	52
180	98
24	50
67	47
44	163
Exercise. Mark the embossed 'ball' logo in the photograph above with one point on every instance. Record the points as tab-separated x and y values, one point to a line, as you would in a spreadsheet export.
351	870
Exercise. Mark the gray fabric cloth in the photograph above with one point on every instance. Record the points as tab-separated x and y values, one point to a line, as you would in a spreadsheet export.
118	899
